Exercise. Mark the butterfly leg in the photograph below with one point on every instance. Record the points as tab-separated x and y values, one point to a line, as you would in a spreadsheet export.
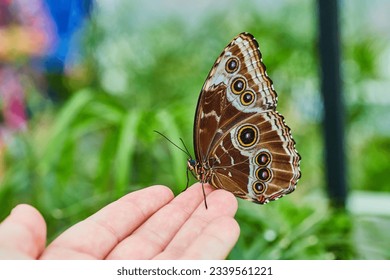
204	195
188	181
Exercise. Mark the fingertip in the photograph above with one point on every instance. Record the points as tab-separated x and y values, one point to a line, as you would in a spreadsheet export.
226	196
163	190
207	187
30	214
220	195
23	208
156	191
24	231
225	199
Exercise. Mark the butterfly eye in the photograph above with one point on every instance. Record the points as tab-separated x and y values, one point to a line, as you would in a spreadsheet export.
247	98
231	65
263	174
263	158
259	187
238	85
247	135
192	162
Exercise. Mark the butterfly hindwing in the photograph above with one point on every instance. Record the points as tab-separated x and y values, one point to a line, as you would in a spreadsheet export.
256	159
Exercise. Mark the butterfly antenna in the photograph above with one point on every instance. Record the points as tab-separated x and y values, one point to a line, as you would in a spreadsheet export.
185	147
170	141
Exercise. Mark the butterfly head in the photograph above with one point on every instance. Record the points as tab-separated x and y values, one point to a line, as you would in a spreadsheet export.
195	168
191	164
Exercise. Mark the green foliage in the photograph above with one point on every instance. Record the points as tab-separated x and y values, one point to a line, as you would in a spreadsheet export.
78	156
284	231
377	165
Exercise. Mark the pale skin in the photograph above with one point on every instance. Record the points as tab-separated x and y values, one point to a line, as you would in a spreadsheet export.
146	224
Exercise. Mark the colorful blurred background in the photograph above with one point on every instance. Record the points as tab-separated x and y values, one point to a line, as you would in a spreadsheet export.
84	83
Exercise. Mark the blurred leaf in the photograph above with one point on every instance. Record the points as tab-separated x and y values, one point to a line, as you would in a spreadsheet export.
125	151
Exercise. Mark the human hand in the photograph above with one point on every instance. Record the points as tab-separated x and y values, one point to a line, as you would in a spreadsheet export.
146	224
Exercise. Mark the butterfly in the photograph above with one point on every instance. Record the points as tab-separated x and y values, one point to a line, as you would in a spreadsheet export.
241	142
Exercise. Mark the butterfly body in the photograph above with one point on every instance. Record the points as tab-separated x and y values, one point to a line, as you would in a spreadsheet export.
241	143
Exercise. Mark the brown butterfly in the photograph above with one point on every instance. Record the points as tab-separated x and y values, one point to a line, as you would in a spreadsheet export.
241	142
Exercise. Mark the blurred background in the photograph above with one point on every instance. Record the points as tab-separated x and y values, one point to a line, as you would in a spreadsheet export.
84	83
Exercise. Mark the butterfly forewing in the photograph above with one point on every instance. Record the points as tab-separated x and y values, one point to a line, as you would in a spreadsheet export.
241	143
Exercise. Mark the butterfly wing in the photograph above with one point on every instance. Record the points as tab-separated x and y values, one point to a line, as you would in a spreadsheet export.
219	106
238	135
256	160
